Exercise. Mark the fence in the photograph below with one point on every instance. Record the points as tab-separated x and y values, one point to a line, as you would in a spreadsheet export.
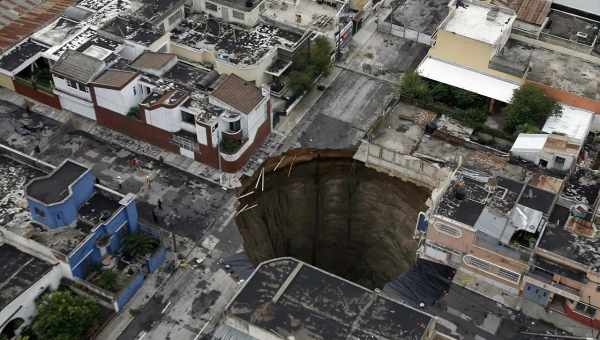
410	168
404	32
128	292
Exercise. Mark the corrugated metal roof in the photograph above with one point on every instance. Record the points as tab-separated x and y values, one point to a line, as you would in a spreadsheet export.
466	79
30	21
78	66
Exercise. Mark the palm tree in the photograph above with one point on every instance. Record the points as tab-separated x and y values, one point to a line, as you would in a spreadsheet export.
139	244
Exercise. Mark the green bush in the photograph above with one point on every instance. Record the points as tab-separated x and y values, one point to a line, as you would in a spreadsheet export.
473	117
108	280
414	87
530	107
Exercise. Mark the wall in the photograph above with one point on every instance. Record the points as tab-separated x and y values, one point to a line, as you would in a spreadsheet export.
167	119
461	244
76	105
6	81
24	305
261	135
49	99
451	47
63	213
61	85
156	259
191	54
407	167
127	293
255	72
135	128
120	101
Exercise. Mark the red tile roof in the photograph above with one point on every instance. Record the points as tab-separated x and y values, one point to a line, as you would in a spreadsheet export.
31	21
238	93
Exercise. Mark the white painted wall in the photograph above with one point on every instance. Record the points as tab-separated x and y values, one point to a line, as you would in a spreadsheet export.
164	118
201	134
120	100
76	105
24	305
61	85
255	72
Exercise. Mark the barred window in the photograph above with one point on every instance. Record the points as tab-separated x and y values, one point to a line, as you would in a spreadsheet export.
448	230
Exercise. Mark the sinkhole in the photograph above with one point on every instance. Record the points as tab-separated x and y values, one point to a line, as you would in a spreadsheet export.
329	210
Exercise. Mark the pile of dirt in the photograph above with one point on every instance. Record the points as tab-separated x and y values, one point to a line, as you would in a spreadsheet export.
325	208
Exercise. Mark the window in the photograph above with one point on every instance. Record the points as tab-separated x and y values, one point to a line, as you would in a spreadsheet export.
235	126
82	87
491	268
211	7
448	230
39	212
134	91
71	83
187	117
586	310
560	161
238	15
147	89
543	163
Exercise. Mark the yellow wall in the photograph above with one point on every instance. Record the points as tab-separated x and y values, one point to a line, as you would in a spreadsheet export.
186	53
6	81
467	52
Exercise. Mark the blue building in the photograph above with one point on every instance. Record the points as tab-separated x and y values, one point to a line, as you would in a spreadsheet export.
69	200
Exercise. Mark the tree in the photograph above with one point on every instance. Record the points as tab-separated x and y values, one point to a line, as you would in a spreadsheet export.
320	55
299	81
309	63
414	87
63	315
139	244
529	107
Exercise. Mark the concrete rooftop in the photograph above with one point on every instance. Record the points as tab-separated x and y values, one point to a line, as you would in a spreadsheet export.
301	301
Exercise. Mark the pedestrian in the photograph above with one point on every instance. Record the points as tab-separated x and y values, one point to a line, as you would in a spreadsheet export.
159	204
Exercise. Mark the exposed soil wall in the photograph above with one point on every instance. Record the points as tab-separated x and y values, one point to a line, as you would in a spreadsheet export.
333	212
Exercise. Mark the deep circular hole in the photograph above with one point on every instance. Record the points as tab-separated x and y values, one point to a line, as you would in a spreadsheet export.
333	212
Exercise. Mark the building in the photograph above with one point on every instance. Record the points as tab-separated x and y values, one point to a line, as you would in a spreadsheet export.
63	228
216	120
563	276
559	148
486	226
260	53
286	298
24	277
483	30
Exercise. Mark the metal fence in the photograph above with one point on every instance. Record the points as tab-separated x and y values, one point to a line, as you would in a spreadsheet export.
404	32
